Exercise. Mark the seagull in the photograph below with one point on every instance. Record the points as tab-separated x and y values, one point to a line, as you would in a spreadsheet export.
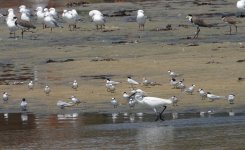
231	98
202	93
108	81
69	18
99	20
49	20
23	104
40	16
31	85
110	87
5	96
198	22
213	97
74	85
12	25
190	89
76	16
62	104
241	5
231	21
25	13
53	13
92	12
114	102
75	100
141	19
47	90
132	82
11	14
153	102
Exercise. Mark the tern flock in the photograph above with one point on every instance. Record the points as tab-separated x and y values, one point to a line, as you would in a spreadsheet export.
49	18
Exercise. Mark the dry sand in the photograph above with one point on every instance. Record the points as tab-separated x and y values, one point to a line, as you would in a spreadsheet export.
210	64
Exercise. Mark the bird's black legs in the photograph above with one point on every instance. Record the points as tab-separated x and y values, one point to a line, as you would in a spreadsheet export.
230	29
22	33
196	35
160	115
236	28
157	114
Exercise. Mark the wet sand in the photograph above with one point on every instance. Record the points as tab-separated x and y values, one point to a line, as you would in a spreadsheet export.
209	62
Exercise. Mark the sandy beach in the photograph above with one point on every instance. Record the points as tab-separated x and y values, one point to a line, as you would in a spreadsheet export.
213	62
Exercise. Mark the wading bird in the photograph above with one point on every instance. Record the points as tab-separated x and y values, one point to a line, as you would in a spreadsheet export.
153	102
231	21
198	22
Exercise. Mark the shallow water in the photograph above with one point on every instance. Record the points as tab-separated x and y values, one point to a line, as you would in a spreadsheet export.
131	131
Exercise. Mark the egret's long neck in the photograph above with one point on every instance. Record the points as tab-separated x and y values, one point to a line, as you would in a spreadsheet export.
139	98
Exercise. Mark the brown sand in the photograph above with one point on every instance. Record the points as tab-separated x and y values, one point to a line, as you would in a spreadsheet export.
211	66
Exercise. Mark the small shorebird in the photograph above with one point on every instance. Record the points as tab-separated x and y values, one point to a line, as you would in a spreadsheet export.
31	85
109	81
190	89
174	100
114	102
75	100
231	21
202	93
74	85
126	96
141	18
174	82
180	85
23	104
147	82
131	103
5	96
198	22
132	82
231	98
110	87
213	97
173	74
47	90
62	104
